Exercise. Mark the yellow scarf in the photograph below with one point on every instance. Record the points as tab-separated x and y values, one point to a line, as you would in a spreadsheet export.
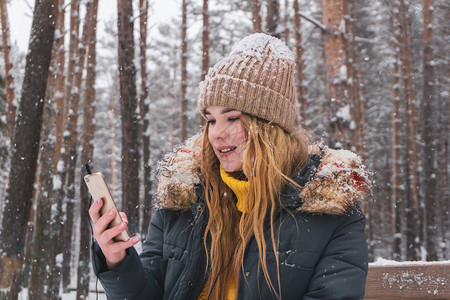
241	189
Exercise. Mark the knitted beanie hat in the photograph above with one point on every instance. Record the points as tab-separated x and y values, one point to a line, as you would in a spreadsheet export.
256	78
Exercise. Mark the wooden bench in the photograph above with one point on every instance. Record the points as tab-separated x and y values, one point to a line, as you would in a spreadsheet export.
409	280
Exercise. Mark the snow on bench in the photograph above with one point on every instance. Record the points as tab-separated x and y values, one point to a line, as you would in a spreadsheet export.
412	280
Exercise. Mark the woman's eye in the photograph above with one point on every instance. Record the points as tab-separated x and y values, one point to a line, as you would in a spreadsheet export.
233	119
211	121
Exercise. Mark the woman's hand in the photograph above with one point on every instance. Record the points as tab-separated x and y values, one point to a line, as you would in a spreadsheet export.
114	251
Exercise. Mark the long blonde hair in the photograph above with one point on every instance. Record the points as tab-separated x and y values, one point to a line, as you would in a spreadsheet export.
271	157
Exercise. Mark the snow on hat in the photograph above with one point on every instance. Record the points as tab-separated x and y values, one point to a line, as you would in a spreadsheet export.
256	78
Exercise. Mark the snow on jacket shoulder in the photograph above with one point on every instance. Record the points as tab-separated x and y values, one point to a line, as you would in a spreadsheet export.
322	246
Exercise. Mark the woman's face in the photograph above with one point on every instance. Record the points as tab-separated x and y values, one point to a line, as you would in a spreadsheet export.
227	136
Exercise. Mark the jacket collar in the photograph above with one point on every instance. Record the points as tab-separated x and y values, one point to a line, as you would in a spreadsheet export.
333	181
290	195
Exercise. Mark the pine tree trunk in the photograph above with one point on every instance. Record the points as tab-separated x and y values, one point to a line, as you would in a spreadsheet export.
205	40
300	85
26	141
29	238
442	173
273	18
60	194
412	198
70	143
183	99
60	88
9	79
397	191
87	153
427	124
256	16
43	227
205	47
45	274
61	147
441	123
144	109
352	89
61	248
361	107
361	146
354	93
112	121
4	148
63	108
286	32
349	53
6	135
336	73
130	119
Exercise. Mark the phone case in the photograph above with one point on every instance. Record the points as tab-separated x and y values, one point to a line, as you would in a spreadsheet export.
98	189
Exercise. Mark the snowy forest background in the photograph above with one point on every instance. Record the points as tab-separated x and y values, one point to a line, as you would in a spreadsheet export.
372	77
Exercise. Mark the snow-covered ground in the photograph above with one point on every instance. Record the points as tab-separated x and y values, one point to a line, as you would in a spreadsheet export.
92	285
73	295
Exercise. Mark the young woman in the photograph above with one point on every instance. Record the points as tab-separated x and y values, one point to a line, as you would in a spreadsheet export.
248	209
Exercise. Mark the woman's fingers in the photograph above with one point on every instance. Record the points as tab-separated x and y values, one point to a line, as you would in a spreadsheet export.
114	251
108	235
124	217
102	223
94	210
118	246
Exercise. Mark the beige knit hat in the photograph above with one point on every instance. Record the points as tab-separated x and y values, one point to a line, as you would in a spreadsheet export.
256	78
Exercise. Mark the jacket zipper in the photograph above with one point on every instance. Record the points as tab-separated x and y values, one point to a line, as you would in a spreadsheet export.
194	287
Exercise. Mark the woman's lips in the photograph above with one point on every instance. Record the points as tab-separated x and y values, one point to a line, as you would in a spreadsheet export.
225	151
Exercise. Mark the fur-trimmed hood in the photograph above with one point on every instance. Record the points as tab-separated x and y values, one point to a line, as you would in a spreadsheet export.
334	181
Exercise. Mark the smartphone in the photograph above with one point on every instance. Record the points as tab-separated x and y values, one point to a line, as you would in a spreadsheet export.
98	189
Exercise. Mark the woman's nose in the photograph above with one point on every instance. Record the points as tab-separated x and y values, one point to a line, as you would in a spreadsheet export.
220	130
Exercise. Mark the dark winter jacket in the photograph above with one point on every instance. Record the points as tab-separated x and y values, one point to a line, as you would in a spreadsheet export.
322	246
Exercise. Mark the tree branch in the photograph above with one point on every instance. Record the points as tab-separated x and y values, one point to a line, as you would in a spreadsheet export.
313	21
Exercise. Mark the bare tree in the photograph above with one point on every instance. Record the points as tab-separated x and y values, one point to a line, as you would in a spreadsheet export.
300	85
69	157
63	98
26	146
4	148
286	30
441	109
412	227
397	193
256	16
130	120
205	40
45	273
9	79
41	257
112	121
183	86
87	152
427	121
273	18
144	110
336	73
205	46
64	91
